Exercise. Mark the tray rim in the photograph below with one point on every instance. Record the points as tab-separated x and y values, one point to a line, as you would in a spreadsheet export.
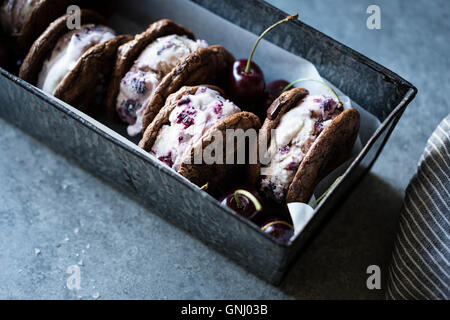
85	120
389	75
129	146
361	58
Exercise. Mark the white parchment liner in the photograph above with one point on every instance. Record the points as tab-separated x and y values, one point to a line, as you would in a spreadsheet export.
276	63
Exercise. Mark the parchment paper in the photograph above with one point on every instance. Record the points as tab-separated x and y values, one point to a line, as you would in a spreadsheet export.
276	63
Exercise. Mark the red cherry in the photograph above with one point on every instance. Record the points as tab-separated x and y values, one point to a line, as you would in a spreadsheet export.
275	88
246	88
246	83
246	203
278	228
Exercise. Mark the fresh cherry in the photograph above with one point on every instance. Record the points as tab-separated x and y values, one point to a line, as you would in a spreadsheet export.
273	90
246	83
246	203
246	87
278	228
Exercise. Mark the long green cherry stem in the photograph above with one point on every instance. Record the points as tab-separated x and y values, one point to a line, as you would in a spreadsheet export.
249	195
277	222
315	203
205	187
290	85
249	61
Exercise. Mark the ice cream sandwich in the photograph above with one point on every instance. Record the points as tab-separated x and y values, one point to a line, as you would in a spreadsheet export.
306	137
74	65
24	20
155	64
189	122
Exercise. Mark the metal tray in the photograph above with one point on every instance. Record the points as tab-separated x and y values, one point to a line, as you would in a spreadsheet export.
117	160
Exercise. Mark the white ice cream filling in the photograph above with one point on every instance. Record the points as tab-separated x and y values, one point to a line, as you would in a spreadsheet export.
293	137
189	121
68	50
138	85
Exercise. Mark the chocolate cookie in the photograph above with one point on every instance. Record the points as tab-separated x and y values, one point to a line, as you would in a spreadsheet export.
23	20
285	102
219	174
204	66
162	118
33	22
130	51
43	46
79	86
201	174
329	150
94	67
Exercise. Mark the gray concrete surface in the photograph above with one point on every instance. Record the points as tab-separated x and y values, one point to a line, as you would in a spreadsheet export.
54	215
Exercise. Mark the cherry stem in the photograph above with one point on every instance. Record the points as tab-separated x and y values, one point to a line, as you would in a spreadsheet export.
315	203
249	195
249	61
290	85
276	222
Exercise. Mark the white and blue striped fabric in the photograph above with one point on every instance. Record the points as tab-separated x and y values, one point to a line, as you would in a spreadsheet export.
420	267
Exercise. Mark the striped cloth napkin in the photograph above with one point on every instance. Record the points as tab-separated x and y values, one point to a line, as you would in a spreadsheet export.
420	266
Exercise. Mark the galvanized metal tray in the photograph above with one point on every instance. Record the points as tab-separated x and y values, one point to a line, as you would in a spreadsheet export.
114	158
